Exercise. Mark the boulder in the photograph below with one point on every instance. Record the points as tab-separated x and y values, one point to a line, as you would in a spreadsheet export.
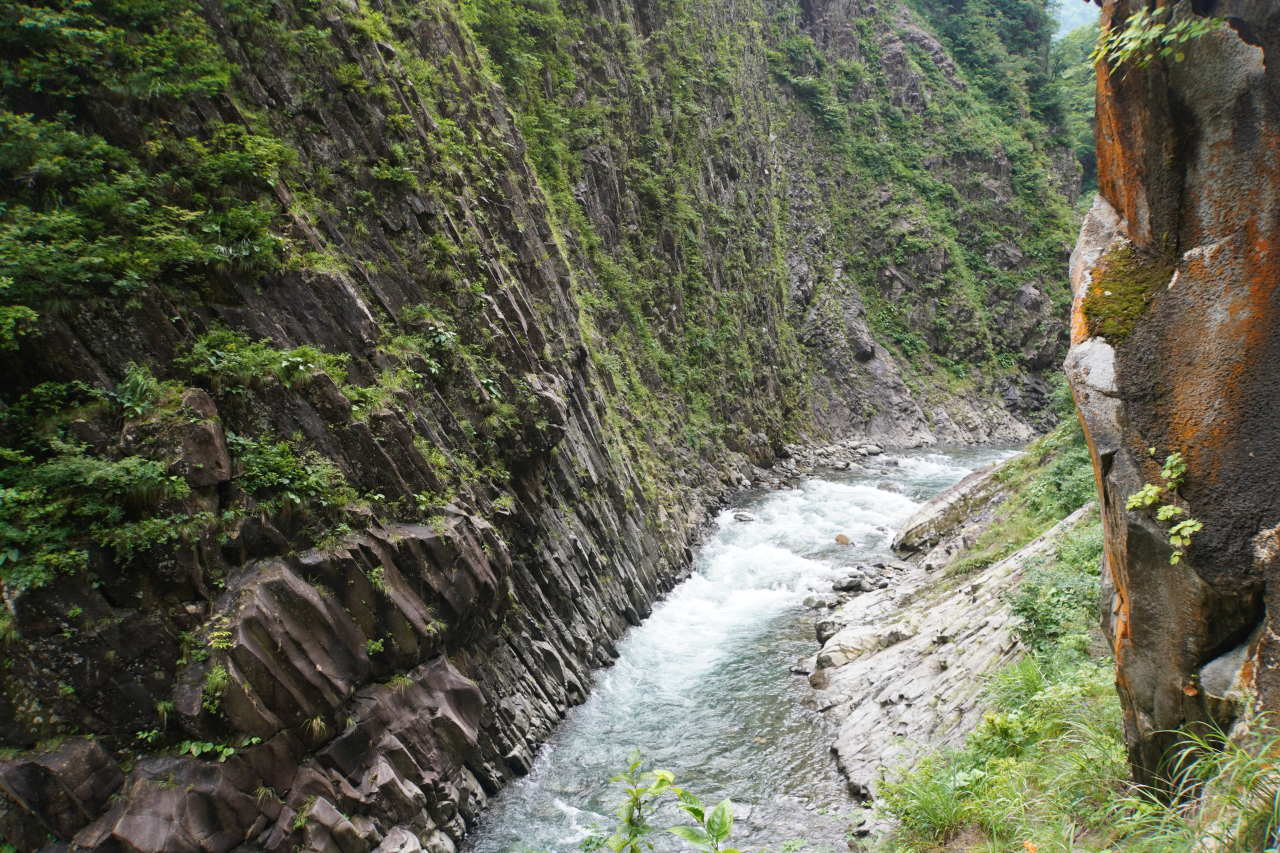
947	511
1175	335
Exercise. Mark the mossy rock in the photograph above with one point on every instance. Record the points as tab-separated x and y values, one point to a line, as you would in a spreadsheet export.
1124	284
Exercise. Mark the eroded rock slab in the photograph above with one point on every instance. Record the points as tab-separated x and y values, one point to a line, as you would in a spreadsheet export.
904	671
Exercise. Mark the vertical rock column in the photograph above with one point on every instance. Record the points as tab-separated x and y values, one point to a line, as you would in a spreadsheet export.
1176	349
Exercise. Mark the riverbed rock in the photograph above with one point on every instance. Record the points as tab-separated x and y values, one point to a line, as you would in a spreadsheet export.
945	512
850	584
902	668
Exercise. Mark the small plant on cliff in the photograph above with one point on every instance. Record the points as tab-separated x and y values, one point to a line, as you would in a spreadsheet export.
300	819
139	393
1148	36
214	684
283	479
198	748
15	320
227	359
1174	474
399	683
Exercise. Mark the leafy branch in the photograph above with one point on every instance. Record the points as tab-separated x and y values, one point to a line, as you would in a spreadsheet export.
1147	36
643	790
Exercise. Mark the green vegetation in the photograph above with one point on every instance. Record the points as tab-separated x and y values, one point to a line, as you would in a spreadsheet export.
1052	480
1046	769
1057	600
642	790
1174	475
57	499
1123	284
215	682
282	479
1001	44
1147	36
1043	766
1071	62
228	360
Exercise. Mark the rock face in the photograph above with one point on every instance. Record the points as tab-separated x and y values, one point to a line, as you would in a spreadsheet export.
1176	349
534	364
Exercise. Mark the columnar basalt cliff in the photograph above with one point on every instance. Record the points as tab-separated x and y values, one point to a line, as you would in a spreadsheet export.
361	391
1176	349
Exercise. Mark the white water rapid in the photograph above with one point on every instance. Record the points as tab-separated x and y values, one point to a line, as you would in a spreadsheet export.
703	686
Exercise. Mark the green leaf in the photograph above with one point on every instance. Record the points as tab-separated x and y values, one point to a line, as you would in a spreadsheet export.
720	823
695	836
693	806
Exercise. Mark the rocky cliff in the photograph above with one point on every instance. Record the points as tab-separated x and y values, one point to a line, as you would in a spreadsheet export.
1175	343
371	366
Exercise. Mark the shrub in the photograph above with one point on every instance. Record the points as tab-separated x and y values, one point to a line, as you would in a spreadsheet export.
1057	600
227	359
272	470
57	500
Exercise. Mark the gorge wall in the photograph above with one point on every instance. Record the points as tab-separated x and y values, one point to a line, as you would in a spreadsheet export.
1175	345
370	366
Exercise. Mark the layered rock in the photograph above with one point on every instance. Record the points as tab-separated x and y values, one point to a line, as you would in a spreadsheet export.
521	492
903	667
1175	349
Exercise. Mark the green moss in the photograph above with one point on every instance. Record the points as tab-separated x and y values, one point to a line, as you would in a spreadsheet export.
1124	283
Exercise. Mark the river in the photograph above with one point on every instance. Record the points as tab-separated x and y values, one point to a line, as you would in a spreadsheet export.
703	686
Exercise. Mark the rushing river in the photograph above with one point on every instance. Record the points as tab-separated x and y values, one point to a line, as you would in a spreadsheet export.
703	686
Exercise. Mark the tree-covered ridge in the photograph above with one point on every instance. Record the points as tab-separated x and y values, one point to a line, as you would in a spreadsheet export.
940	225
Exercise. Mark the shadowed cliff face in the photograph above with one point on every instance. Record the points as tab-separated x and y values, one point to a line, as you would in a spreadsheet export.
372	588
1175	348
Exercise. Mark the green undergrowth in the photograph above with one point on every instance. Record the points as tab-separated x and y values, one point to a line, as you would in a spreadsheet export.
228	360
1123	284
1046	769
1051	480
